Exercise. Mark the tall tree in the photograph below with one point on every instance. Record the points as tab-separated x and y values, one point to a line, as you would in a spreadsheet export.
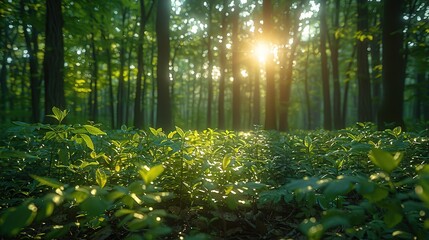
31	35
334	45
236	120
210	63
93	95
364	83
327	117
392	106
139	99
222	66
291	32
53	62
270	101
164	112
121	103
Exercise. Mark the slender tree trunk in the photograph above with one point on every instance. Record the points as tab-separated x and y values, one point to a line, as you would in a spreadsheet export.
120	108
210	68
376	67
364	83
4	92
306	89
334	48
270	101
222	66
32	45
94	82
53	64
419	91
236	104
256	96
153	92
347	86
111	101
164	113
327	114
138	101
392	108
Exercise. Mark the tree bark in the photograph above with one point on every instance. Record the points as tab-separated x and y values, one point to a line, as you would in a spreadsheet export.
53	63
364	83
120	107
392	107
222	67
236	104
32	44
210	67
139	98
164	112
334	48
93	102
327	114
270	101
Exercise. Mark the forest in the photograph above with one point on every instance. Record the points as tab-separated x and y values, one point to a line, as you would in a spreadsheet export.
216	64
214	119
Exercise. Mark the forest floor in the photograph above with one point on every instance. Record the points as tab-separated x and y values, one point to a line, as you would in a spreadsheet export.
82	182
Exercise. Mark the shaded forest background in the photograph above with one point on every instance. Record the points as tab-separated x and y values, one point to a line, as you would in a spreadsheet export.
227	64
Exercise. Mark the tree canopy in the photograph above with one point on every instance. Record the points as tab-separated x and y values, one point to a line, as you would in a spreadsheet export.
220	64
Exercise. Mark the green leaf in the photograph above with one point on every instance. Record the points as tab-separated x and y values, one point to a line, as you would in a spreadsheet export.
14	219
149	175
377	194
171	134
58	114
47	181
180	132
386	161
397	131
88	141
392	218
338	187
226	161
94	206
101	178
93	130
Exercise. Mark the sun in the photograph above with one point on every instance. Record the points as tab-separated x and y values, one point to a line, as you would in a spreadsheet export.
261	51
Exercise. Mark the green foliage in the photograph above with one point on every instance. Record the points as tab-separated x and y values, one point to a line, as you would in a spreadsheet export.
133	184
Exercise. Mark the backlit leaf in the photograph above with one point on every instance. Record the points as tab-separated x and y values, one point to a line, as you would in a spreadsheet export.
101	178
47	181
385	160
93	130
87	141
226	161
151	174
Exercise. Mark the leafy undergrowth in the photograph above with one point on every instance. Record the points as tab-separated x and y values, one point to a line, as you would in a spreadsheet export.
80	182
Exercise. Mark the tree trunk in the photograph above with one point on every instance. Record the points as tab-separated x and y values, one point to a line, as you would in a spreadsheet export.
346	87
210	67
109	72
139	98
53	63
270	101
222	68
93	104
376	67
164	113
306	89
327	117
334	47
236	114
364	83
120	108
32	44
392	107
